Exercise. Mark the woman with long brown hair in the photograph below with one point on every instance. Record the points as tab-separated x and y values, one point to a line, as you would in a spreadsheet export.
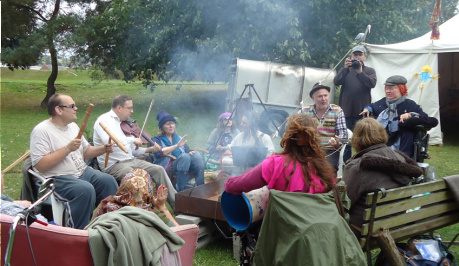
300	167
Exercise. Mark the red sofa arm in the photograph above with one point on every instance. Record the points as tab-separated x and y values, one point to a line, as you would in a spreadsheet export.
57	245
189	233
52	245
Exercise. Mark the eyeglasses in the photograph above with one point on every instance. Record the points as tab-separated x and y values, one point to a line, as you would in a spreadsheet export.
227	119
390	88
73	106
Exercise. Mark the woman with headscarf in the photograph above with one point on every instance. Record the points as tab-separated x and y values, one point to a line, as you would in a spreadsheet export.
394	112
136	189
221	136
373	166
186	160
300	167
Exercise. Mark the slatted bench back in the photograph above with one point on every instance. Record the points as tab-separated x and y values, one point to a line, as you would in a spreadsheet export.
411	210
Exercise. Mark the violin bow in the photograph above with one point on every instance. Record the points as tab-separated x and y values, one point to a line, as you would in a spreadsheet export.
85	120
146	118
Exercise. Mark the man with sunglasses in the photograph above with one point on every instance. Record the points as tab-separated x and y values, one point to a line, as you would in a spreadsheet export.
56	153
356	80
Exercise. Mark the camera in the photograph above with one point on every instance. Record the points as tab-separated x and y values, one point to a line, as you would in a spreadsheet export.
355	63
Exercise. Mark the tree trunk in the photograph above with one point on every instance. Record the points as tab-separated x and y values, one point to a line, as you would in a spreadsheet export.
51	89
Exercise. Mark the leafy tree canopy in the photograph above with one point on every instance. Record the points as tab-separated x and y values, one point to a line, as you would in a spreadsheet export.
31	28
187	39
196	39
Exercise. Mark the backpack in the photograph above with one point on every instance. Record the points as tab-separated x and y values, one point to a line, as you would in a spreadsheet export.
430	251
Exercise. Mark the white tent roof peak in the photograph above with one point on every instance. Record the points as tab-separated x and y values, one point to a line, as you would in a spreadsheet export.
448	42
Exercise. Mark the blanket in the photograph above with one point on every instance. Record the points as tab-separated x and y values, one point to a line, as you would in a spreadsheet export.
130	236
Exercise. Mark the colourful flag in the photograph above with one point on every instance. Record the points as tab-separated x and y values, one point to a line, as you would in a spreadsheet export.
435	21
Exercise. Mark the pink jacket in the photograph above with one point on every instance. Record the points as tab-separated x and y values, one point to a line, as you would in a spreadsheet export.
271	172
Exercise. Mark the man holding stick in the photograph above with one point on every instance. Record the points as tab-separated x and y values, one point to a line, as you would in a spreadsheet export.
120	162
57	151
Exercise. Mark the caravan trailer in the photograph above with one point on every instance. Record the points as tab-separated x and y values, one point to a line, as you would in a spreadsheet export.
272	91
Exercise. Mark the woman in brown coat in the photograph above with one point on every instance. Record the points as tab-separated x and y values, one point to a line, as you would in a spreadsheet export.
374	166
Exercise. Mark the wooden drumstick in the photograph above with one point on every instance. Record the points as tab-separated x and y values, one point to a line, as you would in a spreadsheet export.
85	120
113	137
20	159
107	155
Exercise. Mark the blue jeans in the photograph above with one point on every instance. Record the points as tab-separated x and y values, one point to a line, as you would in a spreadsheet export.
82	194
188	164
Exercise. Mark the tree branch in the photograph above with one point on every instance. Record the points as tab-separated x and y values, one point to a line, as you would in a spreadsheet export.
56	9
31	10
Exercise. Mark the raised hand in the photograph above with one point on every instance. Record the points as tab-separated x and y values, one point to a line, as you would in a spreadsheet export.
182	141
160	200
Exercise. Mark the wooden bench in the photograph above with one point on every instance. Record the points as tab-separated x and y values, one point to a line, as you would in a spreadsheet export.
391	216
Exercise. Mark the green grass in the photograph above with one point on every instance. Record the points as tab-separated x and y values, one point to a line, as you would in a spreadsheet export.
196	106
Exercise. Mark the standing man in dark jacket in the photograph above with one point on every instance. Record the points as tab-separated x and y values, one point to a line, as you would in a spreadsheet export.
356	82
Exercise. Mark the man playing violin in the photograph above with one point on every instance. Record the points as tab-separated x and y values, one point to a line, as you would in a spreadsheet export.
119	162
56	152
332	122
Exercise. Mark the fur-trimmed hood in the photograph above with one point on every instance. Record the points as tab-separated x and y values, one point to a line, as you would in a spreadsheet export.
375	167
375	159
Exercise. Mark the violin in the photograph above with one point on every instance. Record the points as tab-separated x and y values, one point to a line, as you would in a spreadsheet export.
130	127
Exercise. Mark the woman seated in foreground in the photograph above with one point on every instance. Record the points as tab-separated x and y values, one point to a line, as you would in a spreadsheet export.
299	228
374	166
300	167
136	189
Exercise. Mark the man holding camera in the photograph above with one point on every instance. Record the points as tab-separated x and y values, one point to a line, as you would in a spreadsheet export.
356	82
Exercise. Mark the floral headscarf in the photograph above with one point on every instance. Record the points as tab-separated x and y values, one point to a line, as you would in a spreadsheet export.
136	189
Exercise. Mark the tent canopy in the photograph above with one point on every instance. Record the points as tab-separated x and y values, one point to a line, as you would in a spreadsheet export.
407	59
448	42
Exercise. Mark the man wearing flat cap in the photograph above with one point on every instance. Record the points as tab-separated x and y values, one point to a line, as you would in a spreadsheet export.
331	119
398	114
356	80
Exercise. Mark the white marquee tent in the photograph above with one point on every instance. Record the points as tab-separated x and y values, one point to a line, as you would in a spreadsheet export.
407	58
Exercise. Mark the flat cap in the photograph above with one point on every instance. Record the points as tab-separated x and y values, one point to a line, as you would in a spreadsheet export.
359	48
316	87
394	80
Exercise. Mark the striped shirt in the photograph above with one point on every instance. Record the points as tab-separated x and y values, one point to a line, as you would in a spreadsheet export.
331	123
